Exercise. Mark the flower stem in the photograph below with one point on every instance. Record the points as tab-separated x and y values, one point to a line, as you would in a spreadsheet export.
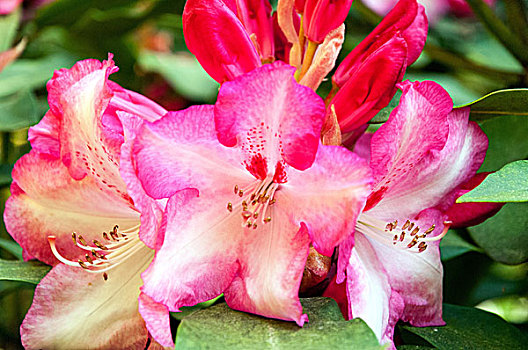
308	57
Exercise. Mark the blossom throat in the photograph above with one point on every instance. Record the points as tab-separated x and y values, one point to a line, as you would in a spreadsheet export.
254	201
119	246
409	236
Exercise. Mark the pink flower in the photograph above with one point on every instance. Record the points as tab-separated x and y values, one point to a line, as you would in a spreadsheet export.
71	182
366	79
8	6
233	37
391	264
249	188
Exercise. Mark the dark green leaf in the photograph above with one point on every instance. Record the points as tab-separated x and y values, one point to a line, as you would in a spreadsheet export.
512	102
8	28
219	327
31	272
507	141
183	72
5	175
470	328
18	111
503	236
26	74
12	247
452	245
510	184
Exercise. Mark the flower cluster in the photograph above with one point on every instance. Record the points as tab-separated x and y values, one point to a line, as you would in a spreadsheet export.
142	211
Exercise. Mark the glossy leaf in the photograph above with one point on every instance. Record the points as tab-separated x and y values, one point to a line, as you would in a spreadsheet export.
507	141
26	74
511	102
18	111
183	72
219	327
503	236
12	247
8	28
470	328
31	272
452	245
5	174
510	184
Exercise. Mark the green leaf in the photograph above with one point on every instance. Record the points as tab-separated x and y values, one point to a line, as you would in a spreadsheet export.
470	328
183	72
31	272
452	245
8	28
18	111
27	74
510	184
511	102
5	174
507	141
219	327
12	247
503	236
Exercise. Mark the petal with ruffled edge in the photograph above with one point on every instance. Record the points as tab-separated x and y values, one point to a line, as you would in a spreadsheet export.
46	201
272	259
180	151
74	309
78	97
197	260
44	137
328	196
269	116
157	320
424	151
151	209
218	39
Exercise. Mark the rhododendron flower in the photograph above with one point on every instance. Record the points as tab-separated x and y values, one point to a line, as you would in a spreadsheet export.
71	182
365	81
233	37
249	188
391	266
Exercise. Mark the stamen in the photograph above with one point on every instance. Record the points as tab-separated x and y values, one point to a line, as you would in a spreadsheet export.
230	207
121	247
372	227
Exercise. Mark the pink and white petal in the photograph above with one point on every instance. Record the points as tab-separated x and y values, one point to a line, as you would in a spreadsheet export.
157	320
181	151
78	97
44	137
198	258
274	118
328	196
74	309
415	35
368	288
417	277
151	209
450	151
47	201
272	259
218	39
8	6
131	102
